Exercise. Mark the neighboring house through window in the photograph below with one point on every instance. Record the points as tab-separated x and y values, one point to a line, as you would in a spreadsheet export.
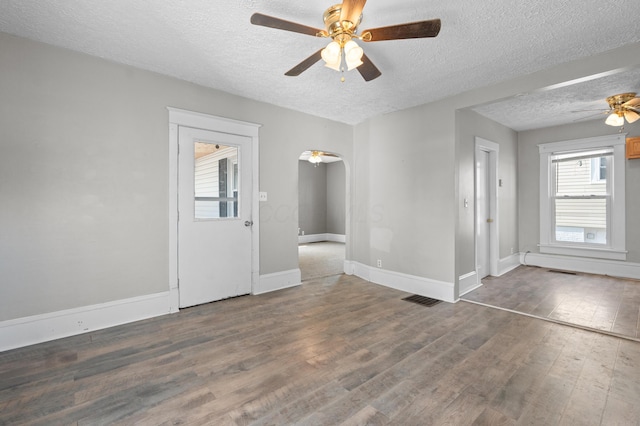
582	191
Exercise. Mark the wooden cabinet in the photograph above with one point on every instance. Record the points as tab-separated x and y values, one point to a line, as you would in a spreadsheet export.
633	147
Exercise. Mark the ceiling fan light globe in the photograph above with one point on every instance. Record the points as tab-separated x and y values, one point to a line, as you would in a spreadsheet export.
333	65
331	53
631	116
614	120
351	64
352	51
353	55
315	158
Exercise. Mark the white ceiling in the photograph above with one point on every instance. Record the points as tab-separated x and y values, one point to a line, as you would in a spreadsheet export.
212	43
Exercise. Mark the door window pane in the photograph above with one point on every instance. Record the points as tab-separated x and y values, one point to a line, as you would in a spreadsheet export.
215	181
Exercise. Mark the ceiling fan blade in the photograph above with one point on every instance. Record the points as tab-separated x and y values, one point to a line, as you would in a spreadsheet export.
631	116
590	116
351	10
304	65
281	24
633	102
602	111
420	29
367	70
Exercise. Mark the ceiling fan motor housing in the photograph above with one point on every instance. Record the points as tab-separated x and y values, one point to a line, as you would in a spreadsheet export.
616	101
339	31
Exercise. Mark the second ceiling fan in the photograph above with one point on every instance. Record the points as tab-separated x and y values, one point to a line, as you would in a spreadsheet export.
341	24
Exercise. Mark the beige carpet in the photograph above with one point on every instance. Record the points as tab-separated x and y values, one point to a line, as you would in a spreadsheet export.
320	259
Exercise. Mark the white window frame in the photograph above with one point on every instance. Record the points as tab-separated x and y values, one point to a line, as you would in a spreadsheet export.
616	246
595	170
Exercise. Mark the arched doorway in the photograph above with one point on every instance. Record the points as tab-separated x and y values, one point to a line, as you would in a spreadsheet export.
321	214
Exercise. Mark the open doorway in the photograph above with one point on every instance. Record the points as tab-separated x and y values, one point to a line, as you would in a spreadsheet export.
321	214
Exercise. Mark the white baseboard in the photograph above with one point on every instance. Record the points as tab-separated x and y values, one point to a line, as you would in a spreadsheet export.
410	283
468	282
316	238
34	329
614	268
349	267
278	281
508	263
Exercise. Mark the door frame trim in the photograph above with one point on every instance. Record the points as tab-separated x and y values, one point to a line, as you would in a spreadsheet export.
180	117
493	149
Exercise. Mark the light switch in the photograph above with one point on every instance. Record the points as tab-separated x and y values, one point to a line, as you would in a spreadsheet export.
263	196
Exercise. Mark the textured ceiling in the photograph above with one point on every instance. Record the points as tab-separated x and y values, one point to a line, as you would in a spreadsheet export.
212	43
580	101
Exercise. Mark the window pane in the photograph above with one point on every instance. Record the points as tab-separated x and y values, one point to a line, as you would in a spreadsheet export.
215	181
581	220
581	176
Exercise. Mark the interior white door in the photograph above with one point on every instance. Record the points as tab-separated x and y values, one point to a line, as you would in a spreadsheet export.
214	215
483	214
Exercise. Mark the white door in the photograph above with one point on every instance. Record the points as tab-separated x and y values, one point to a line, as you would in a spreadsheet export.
214	215
483	212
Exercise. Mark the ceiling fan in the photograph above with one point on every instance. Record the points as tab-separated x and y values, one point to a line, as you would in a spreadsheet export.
315	157
621	107
341	25
624	106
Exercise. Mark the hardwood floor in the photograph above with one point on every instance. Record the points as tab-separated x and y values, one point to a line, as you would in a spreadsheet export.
594	301
320	259
333	351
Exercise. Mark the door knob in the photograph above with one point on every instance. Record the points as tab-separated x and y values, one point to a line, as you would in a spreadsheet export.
248	223
489	220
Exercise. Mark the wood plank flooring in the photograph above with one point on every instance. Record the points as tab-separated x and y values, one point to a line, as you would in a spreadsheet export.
594	301
336	350
321	259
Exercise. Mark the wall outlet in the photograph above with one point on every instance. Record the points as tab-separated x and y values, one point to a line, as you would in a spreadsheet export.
263	196
379	263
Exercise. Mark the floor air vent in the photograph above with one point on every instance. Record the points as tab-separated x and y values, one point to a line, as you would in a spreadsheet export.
421	300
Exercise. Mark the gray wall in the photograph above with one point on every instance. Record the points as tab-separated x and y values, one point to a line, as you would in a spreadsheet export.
321	196
529	186
312	198
84	184
336	197
409	215
470	124
84	176
404	186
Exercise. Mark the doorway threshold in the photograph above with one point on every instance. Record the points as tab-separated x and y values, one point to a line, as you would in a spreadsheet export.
555	321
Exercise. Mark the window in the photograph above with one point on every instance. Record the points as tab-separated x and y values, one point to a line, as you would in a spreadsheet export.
215	181
582	188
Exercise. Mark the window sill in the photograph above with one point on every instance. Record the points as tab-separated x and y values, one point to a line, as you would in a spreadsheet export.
599	253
